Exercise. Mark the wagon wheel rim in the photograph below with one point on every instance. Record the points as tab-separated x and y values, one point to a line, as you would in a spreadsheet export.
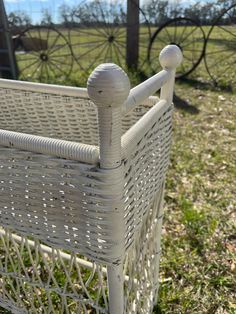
192	42
222	54
106	43
46	55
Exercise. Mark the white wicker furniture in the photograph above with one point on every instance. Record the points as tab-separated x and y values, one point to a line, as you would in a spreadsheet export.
81	189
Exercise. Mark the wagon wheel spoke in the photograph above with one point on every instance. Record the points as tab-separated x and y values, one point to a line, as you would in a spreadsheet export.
107	23
189	34
182	32
227	31
50	50
218	51
94	48
35	70
119	50
96	59
220	57
31	64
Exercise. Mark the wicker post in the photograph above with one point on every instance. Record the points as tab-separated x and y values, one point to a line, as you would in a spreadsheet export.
108	88
170	58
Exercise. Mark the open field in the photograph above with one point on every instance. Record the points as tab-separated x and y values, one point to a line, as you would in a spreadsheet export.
90	46
198	266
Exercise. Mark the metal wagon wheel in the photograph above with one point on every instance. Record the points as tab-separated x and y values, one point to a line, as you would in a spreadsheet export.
99	34
43	54
186	34
220	54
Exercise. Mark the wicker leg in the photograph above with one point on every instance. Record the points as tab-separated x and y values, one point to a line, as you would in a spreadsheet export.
116	289
158	207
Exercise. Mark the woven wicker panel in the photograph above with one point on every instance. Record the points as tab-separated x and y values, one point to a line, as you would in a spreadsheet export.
37	281
65	117
40	279
142	262
73	205
145	171
64	203
56	116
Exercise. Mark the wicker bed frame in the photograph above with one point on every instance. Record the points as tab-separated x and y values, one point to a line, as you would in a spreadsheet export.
81	191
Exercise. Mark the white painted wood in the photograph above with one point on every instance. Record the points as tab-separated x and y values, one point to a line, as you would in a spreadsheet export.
45	88
108	88
50	146
48	250
130	138
141	92
158	206
170	58
116	289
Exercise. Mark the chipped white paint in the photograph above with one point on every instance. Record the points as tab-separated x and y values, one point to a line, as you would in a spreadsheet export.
108	88
122	194
170	57
50	146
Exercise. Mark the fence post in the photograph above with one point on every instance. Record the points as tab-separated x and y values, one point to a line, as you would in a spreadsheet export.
108	88
8	65
132	37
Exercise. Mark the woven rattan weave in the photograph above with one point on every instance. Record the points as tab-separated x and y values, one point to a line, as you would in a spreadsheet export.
82	176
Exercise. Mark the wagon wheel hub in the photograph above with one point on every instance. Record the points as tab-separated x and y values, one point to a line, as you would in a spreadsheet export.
44	57
178	45
111	38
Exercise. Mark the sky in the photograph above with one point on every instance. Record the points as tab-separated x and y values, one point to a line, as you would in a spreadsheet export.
34	7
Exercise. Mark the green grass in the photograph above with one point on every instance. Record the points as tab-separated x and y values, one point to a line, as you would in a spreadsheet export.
198	265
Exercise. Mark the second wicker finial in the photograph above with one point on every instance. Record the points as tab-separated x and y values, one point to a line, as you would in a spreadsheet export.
170	57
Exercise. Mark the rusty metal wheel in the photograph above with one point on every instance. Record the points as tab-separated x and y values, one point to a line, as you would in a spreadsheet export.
186	34
220	55
100	31
43	54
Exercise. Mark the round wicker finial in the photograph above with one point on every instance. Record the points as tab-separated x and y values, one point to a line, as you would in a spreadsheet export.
108	85
170	57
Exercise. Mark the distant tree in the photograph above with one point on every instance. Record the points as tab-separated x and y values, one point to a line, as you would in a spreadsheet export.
98	12
209	13
230	17
223	4
175	9
65	15
194	12
46	17
157	11
19	19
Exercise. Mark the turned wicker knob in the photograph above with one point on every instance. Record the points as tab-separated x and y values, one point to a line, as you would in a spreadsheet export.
108	85
170	57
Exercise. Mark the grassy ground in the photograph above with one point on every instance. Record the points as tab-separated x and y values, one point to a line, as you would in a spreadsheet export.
199	240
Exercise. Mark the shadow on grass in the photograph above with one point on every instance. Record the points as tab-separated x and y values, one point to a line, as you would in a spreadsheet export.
184	105
208	85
